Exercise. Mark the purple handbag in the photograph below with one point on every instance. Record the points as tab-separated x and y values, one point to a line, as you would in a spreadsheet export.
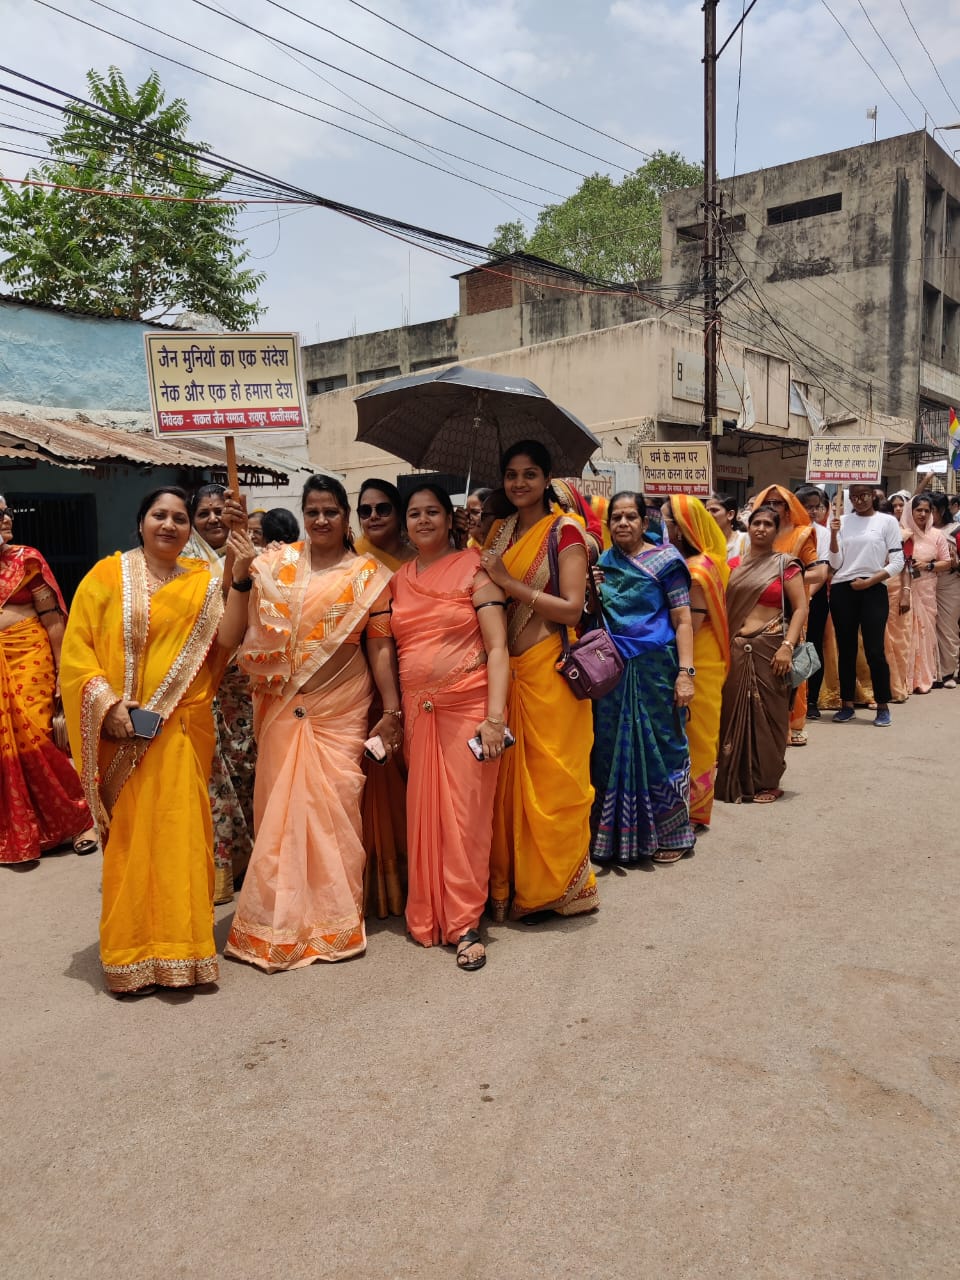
592	665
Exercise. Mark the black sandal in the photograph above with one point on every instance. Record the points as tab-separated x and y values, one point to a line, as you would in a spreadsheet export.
83	847
464	943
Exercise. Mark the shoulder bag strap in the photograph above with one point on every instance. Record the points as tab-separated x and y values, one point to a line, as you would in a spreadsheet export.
553	560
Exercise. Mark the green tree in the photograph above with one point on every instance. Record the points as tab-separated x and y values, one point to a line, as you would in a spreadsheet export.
133	257
607	230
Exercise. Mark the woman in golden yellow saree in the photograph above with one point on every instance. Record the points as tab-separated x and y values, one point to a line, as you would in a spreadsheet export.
697	536
379	509
299	632
541	833
140	634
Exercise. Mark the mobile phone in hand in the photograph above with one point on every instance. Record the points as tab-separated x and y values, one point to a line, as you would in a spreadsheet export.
146	724
476	746
373	749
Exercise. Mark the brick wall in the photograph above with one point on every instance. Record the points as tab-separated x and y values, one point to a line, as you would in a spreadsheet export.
486	291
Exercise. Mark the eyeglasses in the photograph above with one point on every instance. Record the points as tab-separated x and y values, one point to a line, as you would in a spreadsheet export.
365	510
5	514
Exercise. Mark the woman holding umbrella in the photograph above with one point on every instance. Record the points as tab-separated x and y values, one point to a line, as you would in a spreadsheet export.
541	838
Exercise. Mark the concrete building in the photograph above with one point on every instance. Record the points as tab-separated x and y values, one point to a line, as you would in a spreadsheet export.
511	302
850	264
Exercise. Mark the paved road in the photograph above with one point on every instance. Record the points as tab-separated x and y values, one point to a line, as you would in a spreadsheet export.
746	1065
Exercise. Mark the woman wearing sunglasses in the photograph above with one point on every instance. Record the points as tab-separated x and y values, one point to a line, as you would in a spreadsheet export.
384	797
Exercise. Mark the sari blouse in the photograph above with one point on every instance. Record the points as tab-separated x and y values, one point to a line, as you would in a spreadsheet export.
23	570
638	593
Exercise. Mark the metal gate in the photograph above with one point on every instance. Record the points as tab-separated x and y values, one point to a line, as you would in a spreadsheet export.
63	527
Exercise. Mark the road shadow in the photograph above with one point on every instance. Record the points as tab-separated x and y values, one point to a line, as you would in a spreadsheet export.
85	967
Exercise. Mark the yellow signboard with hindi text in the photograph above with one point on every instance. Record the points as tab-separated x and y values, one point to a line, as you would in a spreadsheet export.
850	461
682	466
225	384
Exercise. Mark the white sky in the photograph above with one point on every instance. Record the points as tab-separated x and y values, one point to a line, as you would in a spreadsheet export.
630	67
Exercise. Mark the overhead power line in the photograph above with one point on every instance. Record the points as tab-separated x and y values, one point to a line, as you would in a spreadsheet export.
936	70
896	62
863	56
208	75
521	124
502	83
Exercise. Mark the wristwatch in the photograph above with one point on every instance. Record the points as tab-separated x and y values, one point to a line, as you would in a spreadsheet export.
687	671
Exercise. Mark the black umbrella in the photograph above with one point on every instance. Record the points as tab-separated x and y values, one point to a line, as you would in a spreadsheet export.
460	421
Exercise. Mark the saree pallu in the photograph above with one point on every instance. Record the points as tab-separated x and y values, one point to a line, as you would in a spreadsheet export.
711	657
541	827
450	795
754	720
150	798
641	764
302	896
41	797
923	658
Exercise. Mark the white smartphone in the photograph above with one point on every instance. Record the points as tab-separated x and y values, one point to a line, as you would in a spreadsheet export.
476	746
374	750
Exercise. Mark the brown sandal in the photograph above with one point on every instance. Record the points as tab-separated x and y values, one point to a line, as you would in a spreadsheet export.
767	797
666	856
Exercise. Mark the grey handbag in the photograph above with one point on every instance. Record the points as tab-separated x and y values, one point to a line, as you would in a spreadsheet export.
805	661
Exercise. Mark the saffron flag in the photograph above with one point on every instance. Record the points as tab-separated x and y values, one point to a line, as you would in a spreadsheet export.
954	441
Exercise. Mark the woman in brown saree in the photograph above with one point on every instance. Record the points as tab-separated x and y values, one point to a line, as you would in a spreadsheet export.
756	696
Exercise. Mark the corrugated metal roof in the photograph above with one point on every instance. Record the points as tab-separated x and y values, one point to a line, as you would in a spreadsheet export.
82	444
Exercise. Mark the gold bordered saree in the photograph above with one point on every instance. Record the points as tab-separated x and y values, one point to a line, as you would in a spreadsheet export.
541	829
150	798
302	896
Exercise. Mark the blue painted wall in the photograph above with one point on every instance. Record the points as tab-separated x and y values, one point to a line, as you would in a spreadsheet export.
82	362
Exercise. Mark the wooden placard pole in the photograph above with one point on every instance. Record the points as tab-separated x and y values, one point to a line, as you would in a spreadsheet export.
233	476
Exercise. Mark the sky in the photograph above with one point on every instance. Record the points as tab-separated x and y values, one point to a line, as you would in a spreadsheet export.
631	69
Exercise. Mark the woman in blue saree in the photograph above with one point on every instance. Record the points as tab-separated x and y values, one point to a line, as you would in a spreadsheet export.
641	761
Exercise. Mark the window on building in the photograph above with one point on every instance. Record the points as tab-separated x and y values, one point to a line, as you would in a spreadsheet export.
952	237
950	350
781	213
317	386
374	375
417	366
695	231
930	338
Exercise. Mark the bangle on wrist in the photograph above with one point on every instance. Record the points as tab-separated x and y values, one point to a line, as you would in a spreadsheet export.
496	721
393	711
787	643
535	597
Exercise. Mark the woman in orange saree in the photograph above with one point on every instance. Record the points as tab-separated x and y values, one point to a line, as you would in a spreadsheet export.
541	834
41	799
141	633
697	536
299	634
379	510
448	624
796	538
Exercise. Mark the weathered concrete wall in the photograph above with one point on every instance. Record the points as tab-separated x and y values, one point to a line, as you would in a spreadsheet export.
49	357
846	286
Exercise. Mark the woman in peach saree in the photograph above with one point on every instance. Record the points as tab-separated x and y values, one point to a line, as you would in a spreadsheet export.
451	636
141	633
541	835
929	557
704	548
309	604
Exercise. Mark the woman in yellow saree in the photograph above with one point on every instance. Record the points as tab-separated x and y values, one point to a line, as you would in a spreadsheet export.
541	834
299	633
141	633
697	536
379	509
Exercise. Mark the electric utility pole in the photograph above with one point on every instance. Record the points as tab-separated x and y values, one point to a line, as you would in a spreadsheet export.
711	214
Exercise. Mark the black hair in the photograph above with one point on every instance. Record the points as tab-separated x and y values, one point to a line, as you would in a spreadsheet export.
809	491
331	485
940	503
279	525
391	490
731	506
151	498
772	512
438	492
539	455
482	493
921	497
205	491
886	507
636	498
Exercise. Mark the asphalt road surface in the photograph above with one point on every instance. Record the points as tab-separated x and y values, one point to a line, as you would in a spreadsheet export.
745	1065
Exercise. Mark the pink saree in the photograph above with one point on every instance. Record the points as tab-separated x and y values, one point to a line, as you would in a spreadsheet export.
450	794
923	659
302	897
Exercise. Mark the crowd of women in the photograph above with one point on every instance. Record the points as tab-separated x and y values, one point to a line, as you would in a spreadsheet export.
337	728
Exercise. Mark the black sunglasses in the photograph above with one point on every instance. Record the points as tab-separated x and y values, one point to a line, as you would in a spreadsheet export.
365	510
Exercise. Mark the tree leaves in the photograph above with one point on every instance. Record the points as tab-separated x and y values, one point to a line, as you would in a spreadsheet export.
606	230
121	256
